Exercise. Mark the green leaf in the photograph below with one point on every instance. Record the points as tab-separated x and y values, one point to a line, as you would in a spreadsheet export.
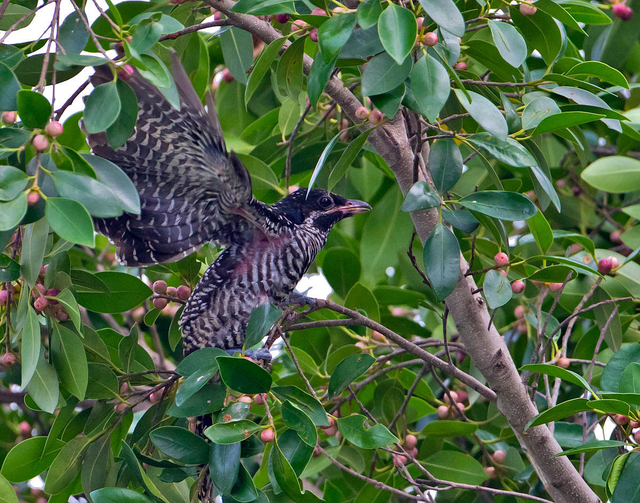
29	346
121	130
12	182
261	67
484	113
367	13
496	289
541	231
509	42
7	494
610	380
230	433
28	459
102	107
509	152
382	74
389	103
319	76
70	360
500	204
287	479
289	70
560	411
103	383
601	71
118	495
361	299
262	319
565	120
299	421
43	386
181	445
243	376
627	489
593	447
449	429
195	382
237	49
616	174
288	116
347	371
156	73
11	213
198	360
609	406
95	466
541	32
117	180
66	465
442	260
445	164
537	110
73	36
264	7
224	463
70	220
147	35
353	429
546	185
34	109
95	196
303	401
334	33
126	292
347	158
420	197
9	88
560	373
445	14
456	467
398	30
34	244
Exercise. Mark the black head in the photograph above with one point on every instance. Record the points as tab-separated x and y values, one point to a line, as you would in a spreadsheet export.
318	207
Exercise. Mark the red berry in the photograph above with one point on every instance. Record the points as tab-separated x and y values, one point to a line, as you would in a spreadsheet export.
499	456
376	117
443	412
226	76
54	128
282	18
313	35
430	38
160	286
183	292
622	11
410	441
160	303
605	265
517	286
460	66
620	419
8	359
501	259
527	9
9	117
267	435
362	113
33	198
40	303
399	460
563	363
40	142
126	72
172	291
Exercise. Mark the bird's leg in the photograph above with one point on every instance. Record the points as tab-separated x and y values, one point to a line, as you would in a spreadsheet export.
258	355
302	300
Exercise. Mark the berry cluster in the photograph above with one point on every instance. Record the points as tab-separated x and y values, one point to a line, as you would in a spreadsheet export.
164	294
502	260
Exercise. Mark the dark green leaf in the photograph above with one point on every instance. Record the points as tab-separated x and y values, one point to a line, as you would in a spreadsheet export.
610	380
69	359
496	289
445	164
126	292
27	459
120	131
195	382
43	386
560	373
243	376
382	74
224	465
102	107
509	152
261	67
233	432
12	182
347	158
627	489
368	13
103	383
600	70
484	113
303	401
9	87
353	429
289	70
34	244
262	319
442	260
95	466
593	447
319	76
560	411
299	421
117	180
499	204
445	14
541	32
95	196
449	428
455	466
398	29
347	371
420	197
541	231
66	465
334	33
30	345
237	49
118	495
181	445
73	36
70	220
537	110
34	109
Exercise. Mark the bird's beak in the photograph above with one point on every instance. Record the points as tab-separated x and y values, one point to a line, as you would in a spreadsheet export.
353	207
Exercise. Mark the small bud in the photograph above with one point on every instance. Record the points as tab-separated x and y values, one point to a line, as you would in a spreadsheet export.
490	471
160	303
33	198
517	287
399	460
615	237
576	190
410	441
183	292
362	113
361	345
54	129
282	18
563	363
40	303
125	72
40	142
605	265
454	397
160	287
527	9
9	117
124	388
620	419
8	359
499	456
430	38
503	272
376	117
267	435
443	412
501	259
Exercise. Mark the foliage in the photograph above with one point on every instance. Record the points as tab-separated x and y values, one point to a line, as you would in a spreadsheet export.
533	131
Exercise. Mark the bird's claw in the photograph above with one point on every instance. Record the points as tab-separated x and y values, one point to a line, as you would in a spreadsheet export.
262	355
302	300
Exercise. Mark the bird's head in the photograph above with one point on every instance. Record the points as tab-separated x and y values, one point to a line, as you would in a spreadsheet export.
318	207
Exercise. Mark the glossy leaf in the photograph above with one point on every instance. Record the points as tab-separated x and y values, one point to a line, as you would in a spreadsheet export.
368	13
73	36
237	49
118	182
262	319
353	429
509	42
70	220
34	109
442	260
347	158
126	292
299	421
261	67
398	29
319	76
69	360
560	411
66	465
496	289
102	107
537	110
500	204
28	459
233	432
445	14
9	87
616	174
34	245
118	495
449	428
181	445
445	164
303	401
334	33
383	74
224	463
12	182
7	493
95	196
560	373
509	152
347	371
430	86
484	113
122	129
289	70
456	467
29	346
243	376
420	197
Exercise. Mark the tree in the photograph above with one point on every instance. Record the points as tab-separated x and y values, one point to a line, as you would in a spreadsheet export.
490	293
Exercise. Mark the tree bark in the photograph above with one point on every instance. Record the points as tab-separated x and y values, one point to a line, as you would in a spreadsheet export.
469	312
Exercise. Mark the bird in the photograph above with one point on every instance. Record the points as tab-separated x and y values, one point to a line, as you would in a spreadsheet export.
192	191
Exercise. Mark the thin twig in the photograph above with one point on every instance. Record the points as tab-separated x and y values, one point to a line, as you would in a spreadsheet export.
194	28
297	364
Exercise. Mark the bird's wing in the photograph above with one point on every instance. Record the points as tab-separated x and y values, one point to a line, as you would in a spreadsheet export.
191	190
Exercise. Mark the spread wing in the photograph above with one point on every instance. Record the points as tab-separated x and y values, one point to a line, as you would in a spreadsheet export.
191	190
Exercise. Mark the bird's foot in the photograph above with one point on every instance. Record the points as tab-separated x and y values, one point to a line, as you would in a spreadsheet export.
301	300
262	355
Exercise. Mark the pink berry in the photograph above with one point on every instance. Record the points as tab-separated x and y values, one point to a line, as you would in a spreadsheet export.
226	76
332	423
463	396
454	397
160	286
563	363
615	237
183	292
501	259
119	407
33	198
331	432
299	24
414	452
622	11
620	419
9	117
259	399
172	291
318	12
634	424
377	336
554	287
126	72
25	428
499	456
245	399
430	38
615	263
605	265
460	66
217	16
443	412
8	359
40	142
40	303
490	471
420	22
267	435
160	303
376	117
410	441
62	315
54	128
53	292
399	460
517	286
155	397
527	9
503	272
362	113
282	18
313	35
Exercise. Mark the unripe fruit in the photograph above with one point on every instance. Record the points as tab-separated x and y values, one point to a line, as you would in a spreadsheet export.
605	265
119	407
399	460
376	117
430	38
160	287
25	428
443	412
260	399
4	297
636	436
217	16
490	471
8	359
172	291
160	303
527	9
501	259
299	24
318	12
313	35
54	128
614	263
414	452
362	113
183	292
615	237
503	272
331	432
245	399
9	117
282	18
62	315
563	363
517	287
454	397
463	396
40	303
332	422
226	76
125	72
499	456
420	21
377	336
267	435
33	198
155	397
460	66
410	441
554	287
40	142
620	419
622	11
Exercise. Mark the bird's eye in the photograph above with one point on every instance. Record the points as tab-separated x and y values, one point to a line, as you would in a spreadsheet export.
325	201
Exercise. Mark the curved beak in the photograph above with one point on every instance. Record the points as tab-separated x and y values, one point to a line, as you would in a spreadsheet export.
353	207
